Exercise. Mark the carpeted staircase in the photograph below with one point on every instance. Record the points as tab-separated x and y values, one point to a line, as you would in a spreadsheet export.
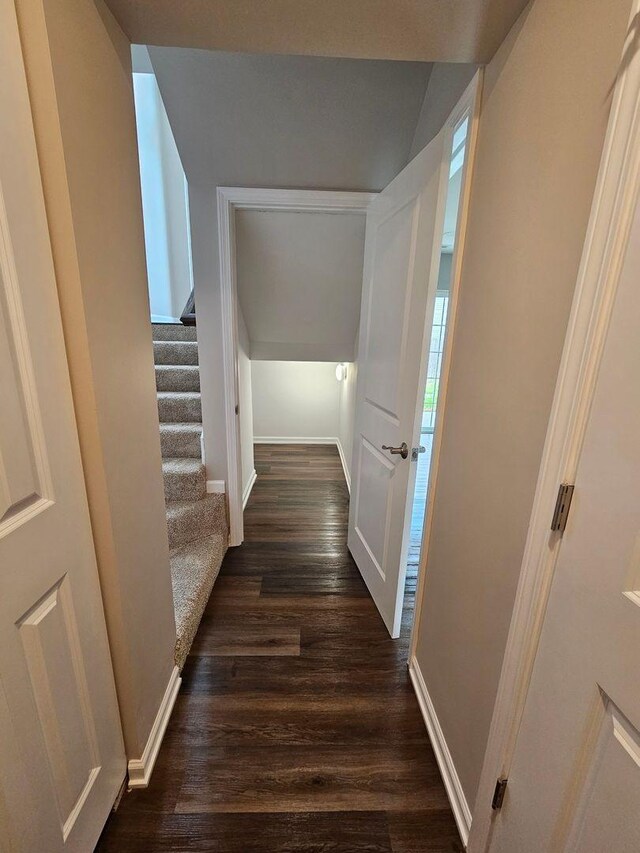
196	521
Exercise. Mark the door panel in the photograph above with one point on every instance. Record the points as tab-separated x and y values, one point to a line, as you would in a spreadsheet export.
376	487
54	660
62	757
402	253
388	308
574	783
21	483
611	792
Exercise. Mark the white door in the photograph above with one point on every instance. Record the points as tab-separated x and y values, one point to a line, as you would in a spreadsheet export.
61	753
574	783
401	260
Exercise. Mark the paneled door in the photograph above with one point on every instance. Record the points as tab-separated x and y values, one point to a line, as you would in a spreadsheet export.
61	753
402	256
574	782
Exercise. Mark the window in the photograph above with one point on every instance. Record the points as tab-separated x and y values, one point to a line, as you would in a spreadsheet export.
435	361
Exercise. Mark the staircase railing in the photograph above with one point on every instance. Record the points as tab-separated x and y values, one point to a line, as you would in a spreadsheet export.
188	316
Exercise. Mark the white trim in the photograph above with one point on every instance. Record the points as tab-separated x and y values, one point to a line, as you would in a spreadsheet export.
231	199
293	439
216	487
613	207
347	474
469	104
452	784
140	769
160	318
247	489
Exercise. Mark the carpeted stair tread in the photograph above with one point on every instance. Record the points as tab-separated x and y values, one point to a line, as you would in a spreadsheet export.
181	440
196	521
179	407
184	479
189	520
194	568
175	352
173	377
173	332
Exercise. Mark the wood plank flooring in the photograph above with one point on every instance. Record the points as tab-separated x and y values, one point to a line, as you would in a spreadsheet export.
296	727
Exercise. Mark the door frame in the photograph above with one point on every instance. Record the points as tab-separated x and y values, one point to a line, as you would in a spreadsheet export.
231	199
616	195
469	104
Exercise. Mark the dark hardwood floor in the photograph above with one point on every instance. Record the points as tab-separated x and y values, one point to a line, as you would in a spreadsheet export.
296	727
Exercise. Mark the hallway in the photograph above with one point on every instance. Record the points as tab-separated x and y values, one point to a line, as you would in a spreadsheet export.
296	727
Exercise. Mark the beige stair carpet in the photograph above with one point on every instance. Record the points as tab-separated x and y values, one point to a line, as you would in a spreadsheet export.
196	521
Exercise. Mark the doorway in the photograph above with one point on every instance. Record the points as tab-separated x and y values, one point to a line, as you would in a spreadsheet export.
434	355
278	367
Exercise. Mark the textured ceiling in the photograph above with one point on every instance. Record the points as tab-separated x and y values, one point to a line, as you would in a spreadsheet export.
424	30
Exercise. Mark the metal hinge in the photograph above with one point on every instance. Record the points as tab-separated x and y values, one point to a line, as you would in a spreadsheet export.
563	504
498	794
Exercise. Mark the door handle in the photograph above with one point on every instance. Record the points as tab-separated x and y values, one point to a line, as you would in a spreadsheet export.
403	450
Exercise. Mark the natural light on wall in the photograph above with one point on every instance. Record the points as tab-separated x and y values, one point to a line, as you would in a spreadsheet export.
164	204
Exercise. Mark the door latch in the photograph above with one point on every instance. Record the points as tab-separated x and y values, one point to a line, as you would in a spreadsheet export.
416	451
403	450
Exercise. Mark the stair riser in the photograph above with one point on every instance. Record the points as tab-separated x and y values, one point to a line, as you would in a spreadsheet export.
200	518
173	332
170	378
179	486
179	410
180	444
172	352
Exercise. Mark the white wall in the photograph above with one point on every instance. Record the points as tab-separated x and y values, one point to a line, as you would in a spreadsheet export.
545	108
300	283
295	399
164	204
245	400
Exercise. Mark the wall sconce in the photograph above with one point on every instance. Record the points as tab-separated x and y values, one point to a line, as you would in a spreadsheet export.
341	372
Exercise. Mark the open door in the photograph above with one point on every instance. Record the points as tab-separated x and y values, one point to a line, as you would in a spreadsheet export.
62	758
401	263
574	782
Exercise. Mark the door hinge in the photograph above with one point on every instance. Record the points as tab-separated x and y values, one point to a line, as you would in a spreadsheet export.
498	794
563	505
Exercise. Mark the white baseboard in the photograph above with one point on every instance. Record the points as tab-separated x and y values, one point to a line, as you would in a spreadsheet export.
347	475
140	769
457	799
248	487
292	439
216	487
